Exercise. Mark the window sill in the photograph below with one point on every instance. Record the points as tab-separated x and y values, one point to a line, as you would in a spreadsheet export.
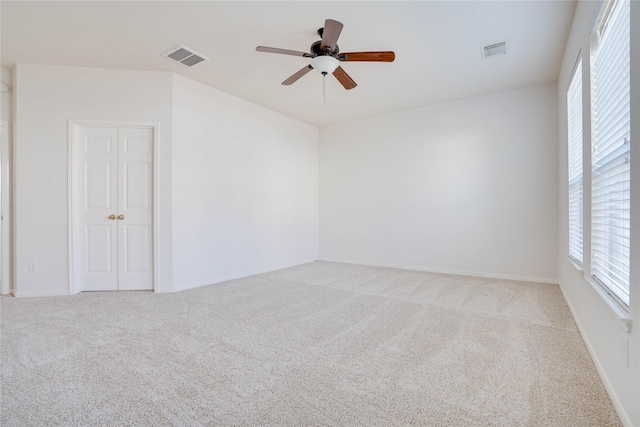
576	264
614	307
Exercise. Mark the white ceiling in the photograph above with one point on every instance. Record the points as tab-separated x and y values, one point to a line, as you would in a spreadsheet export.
437	45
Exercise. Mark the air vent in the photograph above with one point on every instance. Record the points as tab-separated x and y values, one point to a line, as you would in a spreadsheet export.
185	56
495	49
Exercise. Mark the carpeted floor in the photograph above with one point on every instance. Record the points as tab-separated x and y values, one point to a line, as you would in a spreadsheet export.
317	344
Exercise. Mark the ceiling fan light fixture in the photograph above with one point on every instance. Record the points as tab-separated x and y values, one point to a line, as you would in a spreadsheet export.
325	64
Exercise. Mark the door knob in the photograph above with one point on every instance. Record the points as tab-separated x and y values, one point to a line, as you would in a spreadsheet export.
112	216
120	216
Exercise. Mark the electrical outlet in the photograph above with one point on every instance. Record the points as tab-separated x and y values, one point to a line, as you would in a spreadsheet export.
33	266
396	247
438	251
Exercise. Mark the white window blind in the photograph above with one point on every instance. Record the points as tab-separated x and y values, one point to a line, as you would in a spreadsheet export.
610	166
574	123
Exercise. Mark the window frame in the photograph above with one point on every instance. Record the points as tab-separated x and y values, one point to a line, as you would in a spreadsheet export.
602	226
575	165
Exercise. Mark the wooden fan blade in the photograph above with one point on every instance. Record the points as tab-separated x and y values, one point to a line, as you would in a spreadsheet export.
294	78
283	51
344	78
330	34
368	56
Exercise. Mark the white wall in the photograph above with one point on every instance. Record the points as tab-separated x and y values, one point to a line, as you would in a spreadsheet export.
476	178
241	180
245	187
46	97
600	328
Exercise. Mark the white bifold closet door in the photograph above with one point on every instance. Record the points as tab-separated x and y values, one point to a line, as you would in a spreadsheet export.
115	218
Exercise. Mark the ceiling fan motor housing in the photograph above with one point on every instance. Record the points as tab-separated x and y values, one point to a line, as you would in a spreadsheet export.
317	50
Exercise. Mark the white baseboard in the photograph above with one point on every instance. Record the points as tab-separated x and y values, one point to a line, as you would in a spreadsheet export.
624	418
186	287
446	271
238	276
47	293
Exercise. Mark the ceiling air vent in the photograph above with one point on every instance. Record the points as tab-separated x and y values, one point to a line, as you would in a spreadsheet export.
185	56
494	50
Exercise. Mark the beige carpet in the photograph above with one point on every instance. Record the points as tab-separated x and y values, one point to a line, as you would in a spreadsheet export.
317	344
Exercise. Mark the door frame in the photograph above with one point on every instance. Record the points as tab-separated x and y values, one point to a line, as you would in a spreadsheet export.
6	231
74	187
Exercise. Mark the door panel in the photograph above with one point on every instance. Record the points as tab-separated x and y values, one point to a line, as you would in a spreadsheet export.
97	144
134	202
99	249
137	185
98	178
137	143
137	239
98	185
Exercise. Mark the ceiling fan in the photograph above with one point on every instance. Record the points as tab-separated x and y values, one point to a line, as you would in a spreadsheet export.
326	57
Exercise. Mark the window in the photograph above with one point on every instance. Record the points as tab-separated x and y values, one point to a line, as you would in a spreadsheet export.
610	166
574	122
